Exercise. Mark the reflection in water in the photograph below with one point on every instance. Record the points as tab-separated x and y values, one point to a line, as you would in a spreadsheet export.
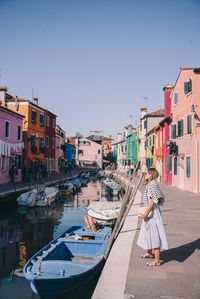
23	231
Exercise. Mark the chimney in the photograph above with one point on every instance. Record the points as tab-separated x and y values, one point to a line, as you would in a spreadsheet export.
3	90
35	101
167	99
143	111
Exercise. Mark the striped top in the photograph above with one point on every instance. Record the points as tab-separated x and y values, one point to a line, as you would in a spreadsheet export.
152	190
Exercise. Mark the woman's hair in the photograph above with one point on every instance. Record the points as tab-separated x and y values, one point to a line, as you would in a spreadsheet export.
154	174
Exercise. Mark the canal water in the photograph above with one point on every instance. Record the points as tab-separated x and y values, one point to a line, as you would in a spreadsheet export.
23	231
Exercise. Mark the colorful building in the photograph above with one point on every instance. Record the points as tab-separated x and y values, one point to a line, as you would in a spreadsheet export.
11	144
50	135
60	163
150	148
165	125
88	152
148	122
33	127
132	146
185	131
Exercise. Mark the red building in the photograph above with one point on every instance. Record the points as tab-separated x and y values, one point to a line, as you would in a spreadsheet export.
165	124
50	133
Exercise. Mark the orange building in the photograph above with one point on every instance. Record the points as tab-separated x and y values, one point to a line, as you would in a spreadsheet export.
33	127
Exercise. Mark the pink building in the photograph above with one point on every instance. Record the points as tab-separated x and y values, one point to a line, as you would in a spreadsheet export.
11	145
165	124
89	151
185	131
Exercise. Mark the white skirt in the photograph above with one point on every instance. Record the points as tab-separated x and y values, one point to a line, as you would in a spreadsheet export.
152	233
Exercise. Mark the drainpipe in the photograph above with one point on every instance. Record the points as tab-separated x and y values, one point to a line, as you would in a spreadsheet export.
197	166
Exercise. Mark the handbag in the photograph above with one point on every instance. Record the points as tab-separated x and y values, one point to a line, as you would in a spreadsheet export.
141	210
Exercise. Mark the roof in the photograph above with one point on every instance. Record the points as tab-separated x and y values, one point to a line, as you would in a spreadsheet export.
10	111
157	113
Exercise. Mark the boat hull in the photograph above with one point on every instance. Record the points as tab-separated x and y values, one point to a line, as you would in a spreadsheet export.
59	288
67	263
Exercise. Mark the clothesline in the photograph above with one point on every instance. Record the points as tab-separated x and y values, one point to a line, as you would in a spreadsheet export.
6	147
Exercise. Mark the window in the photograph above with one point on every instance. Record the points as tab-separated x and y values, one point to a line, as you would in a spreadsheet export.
19	131
188	167
80	152
145	124
53	142
47	140
47	120
188	86
3	163
175	165
33	116
7	129
41	119
169	163
18	160
41	142
173	131
180	128
189	124
99	152
54	123
33	140
175	98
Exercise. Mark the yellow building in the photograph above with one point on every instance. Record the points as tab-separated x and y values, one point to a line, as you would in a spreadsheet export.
151	148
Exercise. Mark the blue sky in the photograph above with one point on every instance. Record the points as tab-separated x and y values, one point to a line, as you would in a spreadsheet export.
94	63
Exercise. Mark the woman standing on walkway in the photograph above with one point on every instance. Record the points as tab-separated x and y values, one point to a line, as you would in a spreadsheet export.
152	235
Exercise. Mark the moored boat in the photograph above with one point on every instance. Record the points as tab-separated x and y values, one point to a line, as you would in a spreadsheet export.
27	199
104	213
66	188
46	197
68	262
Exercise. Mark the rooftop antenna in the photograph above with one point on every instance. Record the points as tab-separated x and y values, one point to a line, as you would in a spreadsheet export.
146	99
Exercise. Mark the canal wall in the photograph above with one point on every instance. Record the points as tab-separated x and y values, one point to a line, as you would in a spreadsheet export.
112	281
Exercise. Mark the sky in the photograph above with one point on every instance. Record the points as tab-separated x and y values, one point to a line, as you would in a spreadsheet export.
94	63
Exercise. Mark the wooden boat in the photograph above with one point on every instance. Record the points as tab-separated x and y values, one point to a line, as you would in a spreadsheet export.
66	188
67	263
104	213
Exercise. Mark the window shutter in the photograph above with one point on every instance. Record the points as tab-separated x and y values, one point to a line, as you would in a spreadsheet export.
189	85
189	124
185	87
175	166
188	170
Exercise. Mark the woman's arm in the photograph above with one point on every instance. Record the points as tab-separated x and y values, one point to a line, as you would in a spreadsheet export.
148	209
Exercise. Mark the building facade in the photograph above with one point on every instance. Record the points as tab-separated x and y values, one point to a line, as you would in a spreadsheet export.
50	141
184	145
11	145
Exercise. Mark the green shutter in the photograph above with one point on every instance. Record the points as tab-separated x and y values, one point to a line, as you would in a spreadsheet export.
189	124
185	87
169	163
188	167
175	166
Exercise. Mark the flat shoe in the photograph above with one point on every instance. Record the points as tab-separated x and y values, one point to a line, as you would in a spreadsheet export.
152	264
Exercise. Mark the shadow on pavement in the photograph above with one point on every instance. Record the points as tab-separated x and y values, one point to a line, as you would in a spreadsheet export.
180	253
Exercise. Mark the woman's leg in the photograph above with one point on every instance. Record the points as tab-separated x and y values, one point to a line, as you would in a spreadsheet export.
156	261
87	223
157	255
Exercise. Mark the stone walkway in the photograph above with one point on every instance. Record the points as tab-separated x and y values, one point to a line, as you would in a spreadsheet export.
179	275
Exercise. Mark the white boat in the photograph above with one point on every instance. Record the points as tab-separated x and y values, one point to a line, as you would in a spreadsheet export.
46	197
66	188
104	213
111	187
27	199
